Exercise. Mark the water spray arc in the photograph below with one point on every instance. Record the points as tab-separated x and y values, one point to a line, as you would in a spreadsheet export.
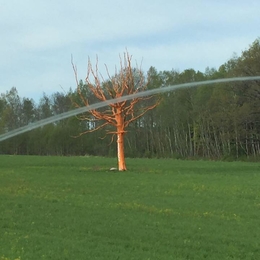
81	110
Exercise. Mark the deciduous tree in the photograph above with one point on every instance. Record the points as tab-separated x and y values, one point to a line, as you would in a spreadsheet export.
126	81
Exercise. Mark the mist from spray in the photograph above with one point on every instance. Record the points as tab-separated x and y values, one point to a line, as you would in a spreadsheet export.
81	110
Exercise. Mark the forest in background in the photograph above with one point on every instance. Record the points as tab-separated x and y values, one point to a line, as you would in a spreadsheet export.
220	121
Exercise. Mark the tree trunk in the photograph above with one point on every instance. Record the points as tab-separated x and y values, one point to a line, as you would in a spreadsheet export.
120	151
120	140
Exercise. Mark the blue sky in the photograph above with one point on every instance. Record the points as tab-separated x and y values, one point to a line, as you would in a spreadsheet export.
38	37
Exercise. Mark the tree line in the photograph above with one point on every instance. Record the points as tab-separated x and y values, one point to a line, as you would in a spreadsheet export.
220	121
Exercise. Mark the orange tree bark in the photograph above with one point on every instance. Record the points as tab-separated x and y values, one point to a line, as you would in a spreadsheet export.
120	139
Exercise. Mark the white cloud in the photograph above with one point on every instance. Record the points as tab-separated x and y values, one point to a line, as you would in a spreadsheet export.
38	37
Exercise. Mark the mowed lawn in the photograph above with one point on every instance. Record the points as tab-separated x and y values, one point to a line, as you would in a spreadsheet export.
75	208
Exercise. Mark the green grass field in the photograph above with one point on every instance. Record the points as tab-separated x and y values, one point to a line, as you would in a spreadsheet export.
75	208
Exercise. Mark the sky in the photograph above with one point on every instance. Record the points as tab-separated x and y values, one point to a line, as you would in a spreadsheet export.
39	37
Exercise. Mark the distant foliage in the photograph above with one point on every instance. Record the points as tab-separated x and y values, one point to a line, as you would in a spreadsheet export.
216	122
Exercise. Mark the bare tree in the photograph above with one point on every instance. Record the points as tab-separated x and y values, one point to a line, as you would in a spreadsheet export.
119	115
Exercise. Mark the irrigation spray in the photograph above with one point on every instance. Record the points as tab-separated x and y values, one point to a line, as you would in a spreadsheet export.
81	110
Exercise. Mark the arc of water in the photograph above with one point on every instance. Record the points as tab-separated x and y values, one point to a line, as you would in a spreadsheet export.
81	110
